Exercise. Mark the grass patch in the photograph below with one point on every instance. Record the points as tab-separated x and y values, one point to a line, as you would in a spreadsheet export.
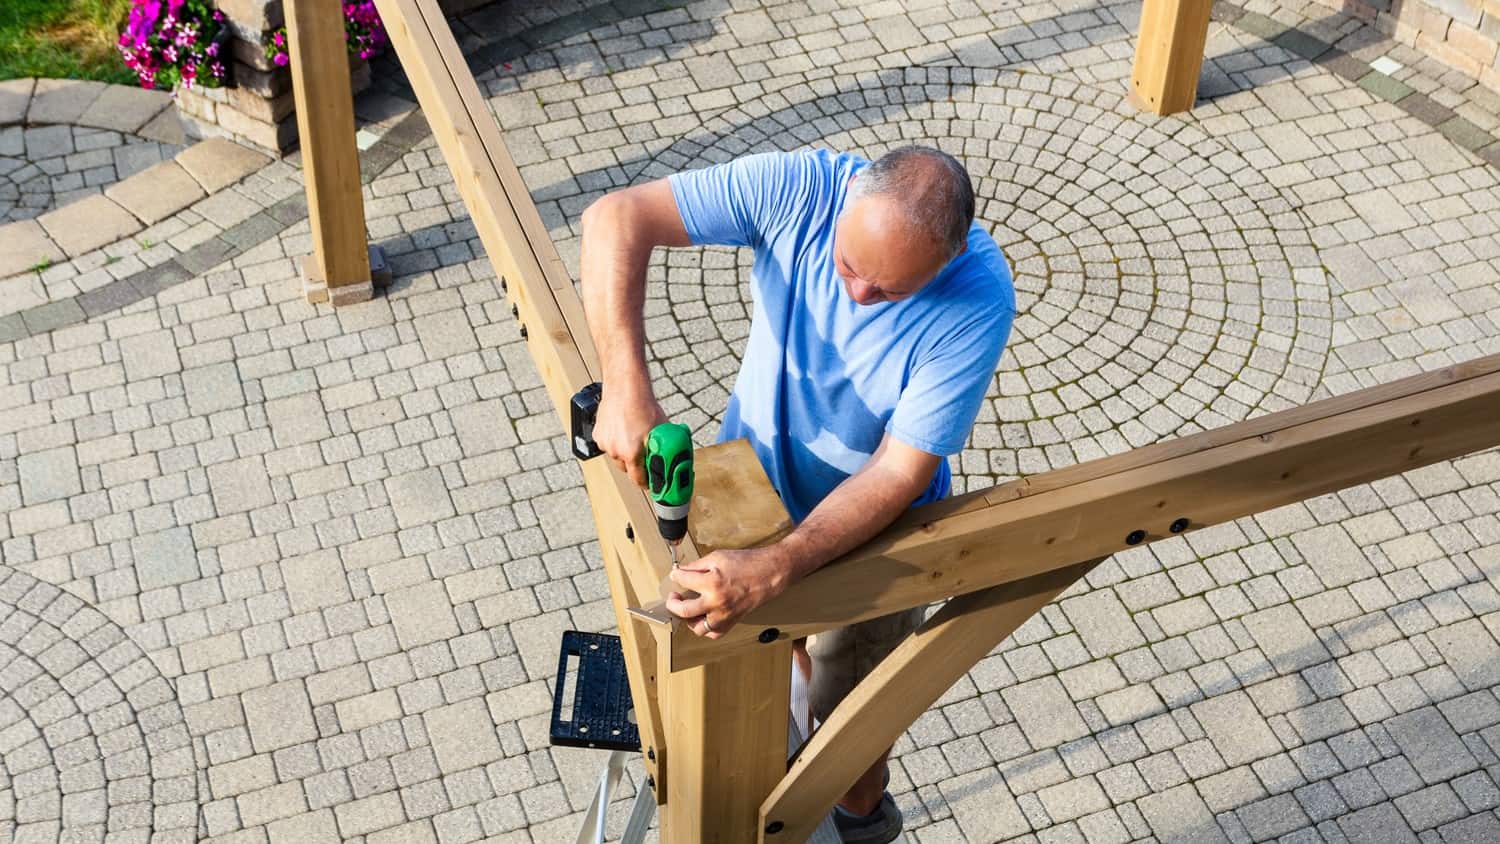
62	38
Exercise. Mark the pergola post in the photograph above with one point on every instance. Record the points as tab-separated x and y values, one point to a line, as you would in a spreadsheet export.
1169	54
338	270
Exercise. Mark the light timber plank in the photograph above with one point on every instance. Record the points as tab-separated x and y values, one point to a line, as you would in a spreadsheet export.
537	284
734	505
1206	478
727	728
1169	54
330	159
897	692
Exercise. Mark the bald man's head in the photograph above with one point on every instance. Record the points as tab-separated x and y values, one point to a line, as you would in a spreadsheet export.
908	215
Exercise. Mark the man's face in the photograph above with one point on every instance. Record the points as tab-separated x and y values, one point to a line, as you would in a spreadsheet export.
879	256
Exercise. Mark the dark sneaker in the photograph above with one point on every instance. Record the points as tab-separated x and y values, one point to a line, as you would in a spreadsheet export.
878	827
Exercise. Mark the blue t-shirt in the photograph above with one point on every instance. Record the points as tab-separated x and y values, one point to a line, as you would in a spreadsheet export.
824	378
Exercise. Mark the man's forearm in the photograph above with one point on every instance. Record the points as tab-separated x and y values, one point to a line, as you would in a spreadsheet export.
612	262
860	507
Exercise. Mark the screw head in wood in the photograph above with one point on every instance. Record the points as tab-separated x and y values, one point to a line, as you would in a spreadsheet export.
651	783
773	827
651	753
523	332
515	311
1179	525
769	635
1136	537
630	533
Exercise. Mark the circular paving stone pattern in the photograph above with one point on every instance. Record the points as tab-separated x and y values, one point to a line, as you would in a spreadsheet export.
93	745
45	167
1163	285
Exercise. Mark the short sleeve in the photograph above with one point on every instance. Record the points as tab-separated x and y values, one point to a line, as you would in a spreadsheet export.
736	203
938	406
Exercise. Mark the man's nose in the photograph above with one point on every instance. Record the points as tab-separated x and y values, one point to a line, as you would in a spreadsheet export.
864	294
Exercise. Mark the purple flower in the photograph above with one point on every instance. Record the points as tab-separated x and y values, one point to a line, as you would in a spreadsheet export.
281	60
212	49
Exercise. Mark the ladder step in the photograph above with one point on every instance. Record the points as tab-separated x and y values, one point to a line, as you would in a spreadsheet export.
594	696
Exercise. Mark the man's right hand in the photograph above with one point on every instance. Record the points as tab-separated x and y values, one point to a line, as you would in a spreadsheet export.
624	419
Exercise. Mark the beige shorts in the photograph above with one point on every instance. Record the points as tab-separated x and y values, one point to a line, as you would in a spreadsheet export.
843	656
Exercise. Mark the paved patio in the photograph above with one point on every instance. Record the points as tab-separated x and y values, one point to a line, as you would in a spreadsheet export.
273	572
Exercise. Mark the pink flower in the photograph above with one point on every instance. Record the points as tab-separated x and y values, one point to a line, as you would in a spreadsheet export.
279	39
212	49
281	60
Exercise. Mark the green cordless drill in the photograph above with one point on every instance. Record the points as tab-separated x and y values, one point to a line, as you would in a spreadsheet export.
669	479
668	458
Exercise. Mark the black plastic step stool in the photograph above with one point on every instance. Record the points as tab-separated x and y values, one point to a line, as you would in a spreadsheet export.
602	714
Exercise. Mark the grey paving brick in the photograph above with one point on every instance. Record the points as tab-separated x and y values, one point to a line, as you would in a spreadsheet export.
49	475
421	614
1179	815
279	715
165	558
419	497
1433	748
1044	712
1376	823
1103	623
1237	730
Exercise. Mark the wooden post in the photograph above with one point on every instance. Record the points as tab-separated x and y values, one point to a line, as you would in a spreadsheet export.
1169	54
338	271
726	728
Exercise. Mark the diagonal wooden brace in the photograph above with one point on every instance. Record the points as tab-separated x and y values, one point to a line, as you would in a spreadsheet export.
897	692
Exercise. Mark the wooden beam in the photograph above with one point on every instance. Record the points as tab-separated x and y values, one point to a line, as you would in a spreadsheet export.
548	307
727	729
1169	54
338	271
1059	518
897	692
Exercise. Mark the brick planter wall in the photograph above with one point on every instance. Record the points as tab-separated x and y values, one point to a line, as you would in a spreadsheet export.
1463	34
258	110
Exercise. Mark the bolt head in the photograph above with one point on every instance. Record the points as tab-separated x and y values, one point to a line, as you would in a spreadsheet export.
1136	537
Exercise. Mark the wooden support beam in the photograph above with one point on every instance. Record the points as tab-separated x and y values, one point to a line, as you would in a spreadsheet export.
1094	509
338	270
897	692
727	729
546	304
1169	54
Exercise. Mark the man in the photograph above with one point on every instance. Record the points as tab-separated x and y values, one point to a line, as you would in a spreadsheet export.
880	313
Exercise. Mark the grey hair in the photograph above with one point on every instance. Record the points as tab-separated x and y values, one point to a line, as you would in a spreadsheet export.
932	185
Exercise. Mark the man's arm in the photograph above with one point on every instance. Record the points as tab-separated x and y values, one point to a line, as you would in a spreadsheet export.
619	231
732	583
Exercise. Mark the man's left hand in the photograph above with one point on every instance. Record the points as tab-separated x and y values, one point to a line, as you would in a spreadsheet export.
729	585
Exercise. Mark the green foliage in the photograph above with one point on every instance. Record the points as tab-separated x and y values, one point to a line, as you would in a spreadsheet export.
62	38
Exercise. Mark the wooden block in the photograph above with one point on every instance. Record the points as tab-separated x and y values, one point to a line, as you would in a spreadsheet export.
734	505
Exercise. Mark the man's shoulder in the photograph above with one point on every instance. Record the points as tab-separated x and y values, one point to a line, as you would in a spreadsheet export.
980	277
